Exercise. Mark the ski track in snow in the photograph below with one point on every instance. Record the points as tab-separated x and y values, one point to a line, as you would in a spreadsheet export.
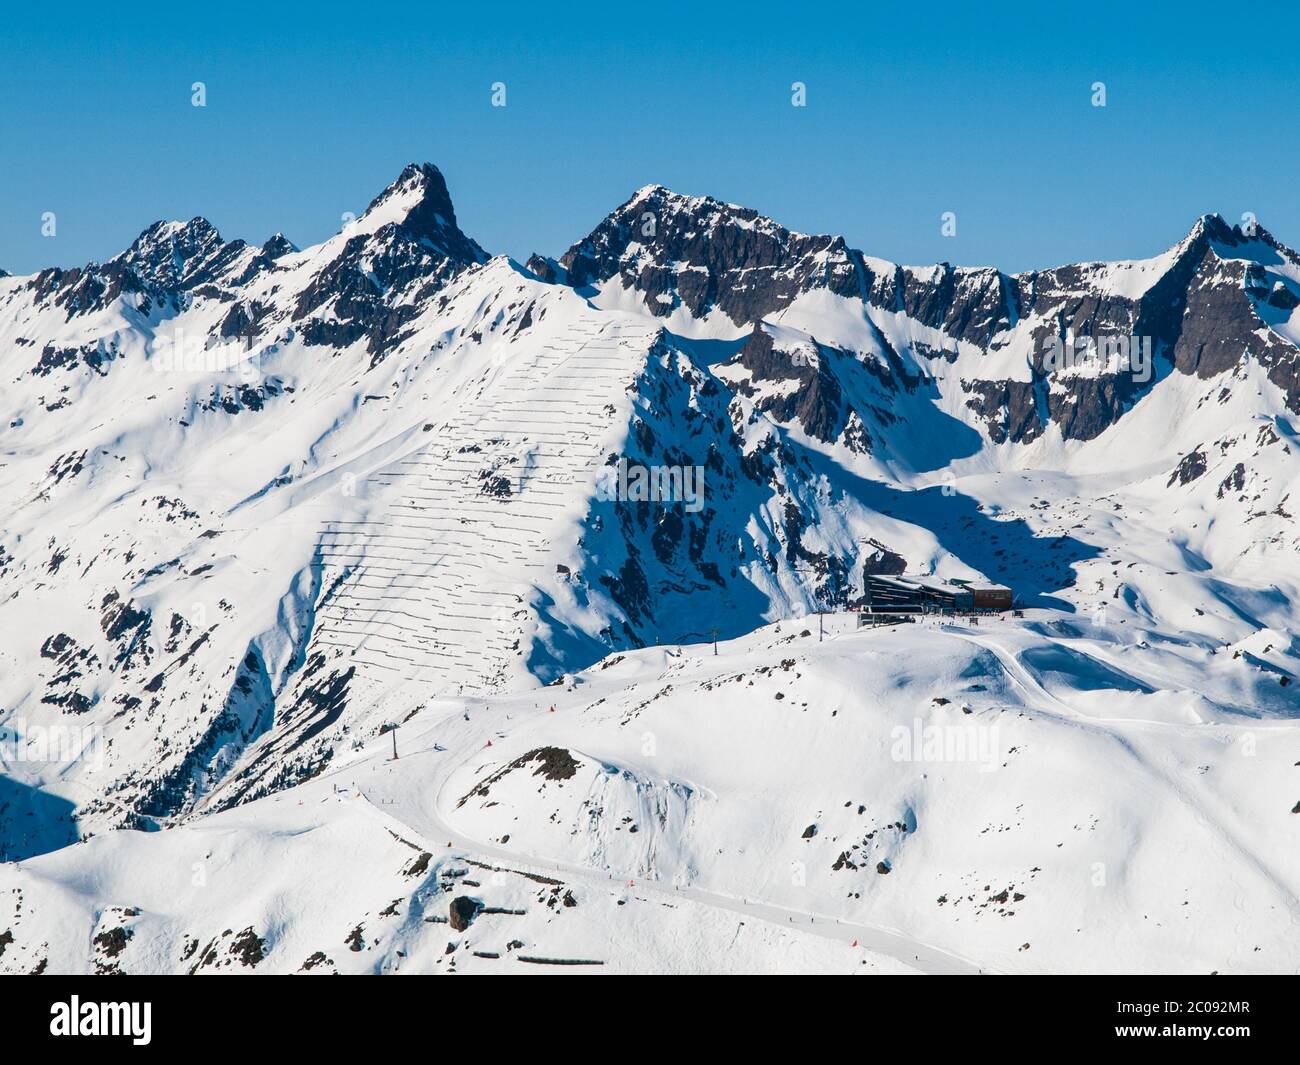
881	941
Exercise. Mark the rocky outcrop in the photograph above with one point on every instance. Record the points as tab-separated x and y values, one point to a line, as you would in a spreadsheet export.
462	911
813	399
1203	307
407	247
707	256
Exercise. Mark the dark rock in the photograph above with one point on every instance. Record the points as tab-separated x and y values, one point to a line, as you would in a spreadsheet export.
1189	468
462	911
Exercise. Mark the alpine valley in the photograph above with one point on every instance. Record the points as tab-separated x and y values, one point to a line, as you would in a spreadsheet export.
331	640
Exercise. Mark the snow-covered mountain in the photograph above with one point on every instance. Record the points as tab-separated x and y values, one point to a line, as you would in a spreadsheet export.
261	505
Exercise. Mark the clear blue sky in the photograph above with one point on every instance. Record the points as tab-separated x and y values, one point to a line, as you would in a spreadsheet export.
913	109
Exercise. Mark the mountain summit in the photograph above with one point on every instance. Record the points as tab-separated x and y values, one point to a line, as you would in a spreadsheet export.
702	255
419	204
1222	294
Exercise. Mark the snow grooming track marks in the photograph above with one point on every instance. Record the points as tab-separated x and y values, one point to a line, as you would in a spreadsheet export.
433	592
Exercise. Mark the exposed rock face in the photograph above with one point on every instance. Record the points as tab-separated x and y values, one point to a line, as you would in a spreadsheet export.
462	911
814	399
704	255
881	560
1203	307
178	257
1206	311
971	305
545	269
407	247
278	246
424	213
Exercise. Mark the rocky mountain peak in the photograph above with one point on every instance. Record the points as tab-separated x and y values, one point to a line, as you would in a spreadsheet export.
1212	226
420	206
1243	240
278	245
380	272
164	253
704	255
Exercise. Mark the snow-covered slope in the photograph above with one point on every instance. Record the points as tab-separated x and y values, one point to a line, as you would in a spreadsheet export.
262	504
1032	797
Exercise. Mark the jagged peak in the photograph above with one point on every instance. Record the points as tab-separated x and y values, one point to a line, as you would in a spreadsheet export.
182	238
676	215
278	245
1211	233
419	204
647	191
1246	239
544	268
704	208
661	196
1211	226
1214	227
701	254
166	250
420	186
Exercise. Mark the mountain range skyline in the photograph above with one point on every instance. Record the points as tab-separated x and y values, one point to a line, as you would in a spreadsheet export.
963	111
1248	223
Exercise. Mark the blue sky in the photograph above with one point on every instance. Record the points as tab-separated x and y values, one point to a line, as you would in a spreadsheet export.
912	110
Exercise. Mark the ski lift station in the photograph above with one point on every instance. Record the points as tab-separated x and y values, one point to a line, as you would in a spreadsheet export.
926	595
